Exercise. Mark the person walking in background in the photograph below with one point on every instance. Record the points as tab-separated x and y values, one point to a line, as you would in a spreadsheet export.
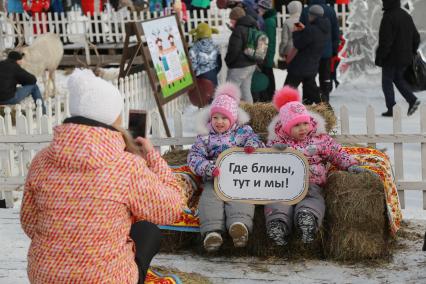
269	15
12	74
330	49
15	6
398	43
205	54
309	41
251	8
202	6
286	48
240	67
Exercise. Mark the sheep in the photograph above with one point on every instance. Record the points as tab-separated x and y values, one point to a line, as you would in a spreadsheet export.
45	53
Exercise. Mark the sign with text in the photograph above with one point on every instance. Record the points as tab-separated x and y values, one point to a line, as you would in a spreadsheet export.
265	176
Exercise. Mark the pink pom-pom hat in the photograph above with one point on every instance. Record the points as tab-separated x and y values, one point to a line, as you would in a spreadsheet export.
291	110
226	100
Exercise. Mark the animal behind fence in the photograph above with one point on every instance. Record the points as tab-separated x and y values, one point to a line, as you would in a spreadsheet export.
44	54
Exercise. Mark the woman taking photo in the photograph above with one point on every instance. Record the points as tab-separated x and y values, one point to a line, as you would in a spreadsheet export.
88	203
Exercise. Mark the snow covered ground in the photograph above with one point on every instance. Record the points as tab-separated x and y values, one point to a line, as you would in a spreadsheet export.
407	266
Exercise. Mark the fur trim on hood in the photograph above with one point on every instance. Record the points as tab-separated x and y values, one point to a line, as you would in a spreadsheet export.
203	119
317	123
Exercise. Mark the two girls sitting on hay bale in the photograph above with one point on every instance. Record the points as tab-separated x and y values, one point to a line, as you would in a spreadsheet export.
223	126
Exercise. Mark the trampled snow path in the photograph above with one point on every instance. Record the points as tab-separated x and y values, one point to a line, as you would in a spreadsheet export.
407	266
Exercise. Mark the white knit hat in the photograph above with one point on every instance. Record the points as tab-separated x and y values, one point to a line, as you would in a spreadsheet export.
93	97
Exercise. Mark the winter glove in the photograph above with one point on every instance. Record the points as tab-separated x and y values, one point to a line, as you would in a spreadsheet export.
216	172
249	149
280	147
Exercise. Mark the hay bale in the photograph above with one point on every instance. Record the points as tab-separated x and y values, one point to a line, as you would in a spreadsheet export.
184	277
356	222
176	157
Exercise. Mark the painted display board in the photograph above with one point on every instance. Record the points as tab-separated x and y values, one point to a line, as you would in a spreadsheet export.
168	55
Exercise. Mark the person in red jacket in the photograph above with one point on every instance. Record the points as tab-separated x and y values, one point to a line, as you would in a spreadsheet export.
92	6
36	8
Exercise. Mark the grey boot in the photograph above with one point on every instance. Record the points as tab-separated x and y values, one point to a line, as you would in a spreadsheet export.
308	226
278	232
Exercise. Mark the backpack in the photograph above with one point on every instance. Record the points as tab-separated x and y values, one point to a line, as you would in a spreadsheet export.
257	45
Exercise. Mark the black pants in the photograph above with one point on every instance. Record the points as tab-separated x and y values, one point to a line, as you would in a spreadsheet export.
324	73
310	89
393	75
266	95
147	237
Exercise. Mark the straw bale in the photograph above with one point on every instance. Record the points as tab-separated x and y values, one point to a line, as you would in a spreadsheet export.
356	222
184	276
176	157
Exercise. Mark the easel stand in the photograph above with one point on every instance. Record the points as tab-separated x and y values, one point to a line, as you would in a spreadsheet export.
140	48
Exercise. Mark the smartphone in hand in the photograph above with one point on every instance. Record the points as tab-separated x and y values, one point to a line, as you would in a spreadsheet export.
137	123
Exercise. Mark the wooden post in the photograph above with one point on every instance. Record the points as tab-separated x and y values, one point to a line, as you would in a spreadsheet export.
423	150
371	124
398	152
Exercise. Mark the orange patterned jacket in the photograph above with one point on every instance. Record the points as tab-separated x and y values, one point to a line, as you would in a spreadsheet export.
81	194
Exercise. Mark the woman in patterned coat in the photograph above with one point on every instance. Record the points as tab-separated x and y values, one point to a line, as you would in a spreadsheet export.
88	203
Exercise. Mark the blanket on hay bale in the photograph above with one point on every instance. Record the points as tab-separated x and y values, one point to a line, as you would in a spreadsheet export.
363	211
155	277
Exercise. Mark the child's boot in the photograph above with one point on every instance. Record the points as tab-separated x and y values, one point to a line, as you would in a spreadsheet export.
278	232
308	226
239	234
212	241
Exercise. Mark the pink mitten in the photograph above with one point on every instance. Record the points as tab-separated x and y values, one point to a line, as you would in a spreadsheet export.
249	149
216	172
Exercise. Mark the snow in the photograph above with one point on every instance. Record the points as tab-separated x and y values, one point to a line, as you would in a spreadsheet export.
407	265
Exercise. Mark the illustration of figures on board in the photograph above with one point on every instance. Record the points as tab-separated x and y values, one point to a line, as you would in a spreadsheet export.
168	55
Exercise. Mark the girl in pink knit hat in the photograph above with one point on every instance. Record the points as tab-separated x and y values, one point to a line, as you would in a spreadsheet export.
222	126
304	131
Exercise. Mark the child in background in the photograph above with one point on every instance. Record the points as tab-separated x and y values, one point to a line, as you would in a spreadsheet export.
301	130
222	126
204	53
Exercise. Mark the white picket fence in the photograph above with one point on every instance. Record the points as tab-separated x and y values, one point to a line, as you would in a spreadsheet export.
109	28
136	91
16	151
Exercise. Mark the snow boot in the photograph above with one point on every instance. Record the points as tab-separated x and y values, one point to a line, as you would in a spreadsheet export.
388	113
278	232
308	226
239	234
212	241
412	108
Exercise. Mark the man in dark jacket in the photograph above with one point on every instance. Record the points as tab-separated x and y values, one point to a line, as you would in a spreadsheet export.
11	74
309	41
240	67
398	42
330	48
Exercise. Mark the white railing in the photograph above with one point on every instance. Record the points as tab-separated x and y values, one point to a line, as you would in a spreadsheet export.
16	151
135	88
109	27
